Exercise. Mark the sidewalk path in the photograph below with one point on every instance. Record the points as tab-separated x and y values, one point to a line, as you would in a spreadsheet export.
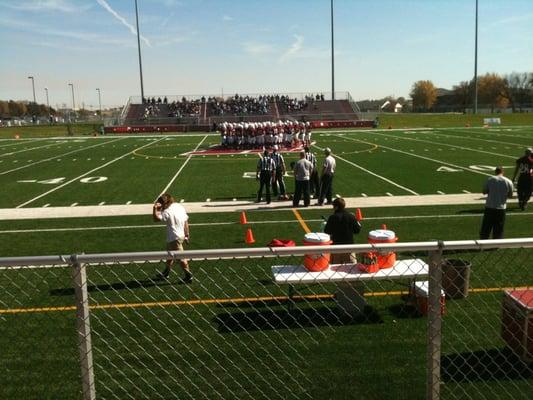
231	206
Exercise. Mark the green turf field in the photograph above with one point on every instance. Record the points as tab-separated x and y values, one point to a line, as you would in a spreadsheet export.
312	344
120	170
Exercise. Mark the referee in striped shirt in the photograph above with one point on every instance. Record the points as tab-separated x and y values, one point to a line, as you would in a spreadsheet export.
278	176
266	170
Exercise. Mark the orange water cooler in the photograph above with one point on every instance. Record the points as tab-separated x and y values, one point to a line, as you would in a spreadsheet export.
316	262
381	236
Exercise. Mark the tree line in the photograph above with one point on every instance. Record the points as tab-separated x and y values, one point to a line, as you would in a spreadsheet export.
513	91
13	108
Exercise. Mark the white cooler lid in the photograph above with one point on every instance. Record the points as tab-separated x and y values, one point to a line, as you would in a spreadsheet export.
381	234
316	237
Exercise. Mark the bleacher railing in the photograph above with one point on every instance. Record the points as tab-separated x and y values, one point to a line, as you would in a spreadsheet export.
226	96
102	326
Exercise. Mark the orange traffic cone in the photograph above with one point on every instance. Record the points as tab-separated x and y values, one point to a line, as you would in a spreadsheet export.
243	218
358	215
384	227
249	239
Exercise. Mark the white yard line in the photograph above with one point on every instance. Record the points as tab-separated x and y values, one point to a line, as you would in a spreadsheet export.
371	173
475	138
427	158
31	148
272	222
19	143
59	155
449	145
181	168
87	173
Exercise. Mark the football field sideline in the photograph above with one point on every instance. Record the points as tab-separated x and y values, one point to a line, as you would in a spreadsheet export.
232	206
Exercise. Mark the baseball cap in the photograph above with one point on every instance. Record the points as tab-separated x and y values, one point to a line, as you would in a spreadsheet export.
327	150
529	150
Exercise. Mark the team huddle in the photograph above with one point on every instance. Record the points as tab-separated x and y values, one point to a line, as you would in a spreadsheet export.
252	135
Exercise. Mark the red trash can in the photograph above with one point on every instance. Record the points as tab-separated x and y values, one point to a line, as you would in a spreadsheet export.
316	262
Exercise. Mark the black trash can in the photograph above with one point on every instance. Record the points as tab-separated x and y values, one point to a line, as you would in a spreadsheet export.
456	278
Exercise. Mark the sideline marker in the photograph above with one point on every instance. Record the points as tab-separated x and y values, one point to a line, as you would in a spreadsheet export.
249	237
243	218
358	215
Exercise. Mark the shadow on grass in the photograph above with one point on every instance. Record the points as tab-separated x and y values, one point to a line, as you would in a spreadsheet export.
488	365
405	310
134	284
244	321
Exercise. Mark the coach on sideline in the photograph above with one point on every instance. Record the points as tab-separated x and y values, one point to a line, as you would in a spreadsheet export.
498	189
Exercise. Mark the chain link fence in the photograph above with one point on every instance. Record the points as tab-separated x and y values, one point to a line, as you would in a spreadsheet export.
446	321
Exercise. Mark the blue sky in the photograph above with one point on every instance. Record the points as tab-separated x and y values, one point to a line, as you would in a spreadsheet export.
251	46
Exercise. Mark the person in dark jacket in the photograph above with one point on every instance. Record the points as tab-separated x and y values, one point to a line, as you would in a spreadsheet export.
341	226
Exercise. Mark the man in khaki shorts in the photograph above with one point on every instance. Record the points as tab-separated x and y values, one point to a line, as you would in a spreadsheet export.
167	210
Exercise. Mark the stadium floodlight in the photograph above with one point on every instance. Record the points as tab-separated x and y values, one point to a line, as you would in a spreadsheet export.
33	87
475	66
139	48
332	57
73	103
100	102
47	101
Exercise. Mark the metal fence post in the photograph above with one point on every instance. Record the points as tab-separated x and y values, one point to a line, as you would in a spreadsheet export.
434	323
79	275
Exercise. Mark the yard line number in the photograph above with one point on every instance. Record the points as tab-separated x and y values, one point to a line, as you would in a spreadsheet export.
55	181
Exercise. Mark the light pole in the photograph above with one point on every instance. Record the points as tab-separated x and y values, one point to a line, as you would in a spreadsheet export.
332	57
100	103
73	103
33	87
139	48
475	68
47	101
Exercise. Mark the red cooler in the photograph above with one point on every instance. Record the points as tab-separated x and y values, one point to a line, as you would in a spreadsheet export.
380	236
316	262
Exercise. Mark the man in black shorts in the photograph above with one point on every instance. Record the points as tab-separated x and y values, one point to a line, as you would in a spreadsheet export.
524	170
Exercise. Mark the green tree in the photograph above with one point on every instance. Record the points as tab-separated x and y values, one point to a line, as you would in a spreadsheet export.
424	95
491	89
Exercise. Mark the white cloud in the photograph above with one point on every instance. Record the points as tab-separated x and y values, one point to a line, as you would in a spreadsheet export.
257	49
295	48
47	5
514	20
227	18
122	20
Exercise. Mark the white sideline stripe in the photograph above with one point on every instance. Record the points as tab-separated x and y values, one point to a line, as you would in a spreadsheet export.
274	222
453	146
430	159
85	174
101	203
370	172
389	194
31	148
74	204
466	191
60	155
181	169
440	192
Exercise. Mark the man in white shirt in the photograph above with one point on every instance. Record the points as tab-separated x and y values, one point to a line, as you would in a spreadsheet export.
176	218
326	179
498	189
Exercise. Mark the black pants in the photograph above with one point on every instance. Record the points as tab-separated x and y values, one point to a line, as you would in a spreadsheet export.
264	182
278	180
314	186
493	220
301	187
524	187
326	188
